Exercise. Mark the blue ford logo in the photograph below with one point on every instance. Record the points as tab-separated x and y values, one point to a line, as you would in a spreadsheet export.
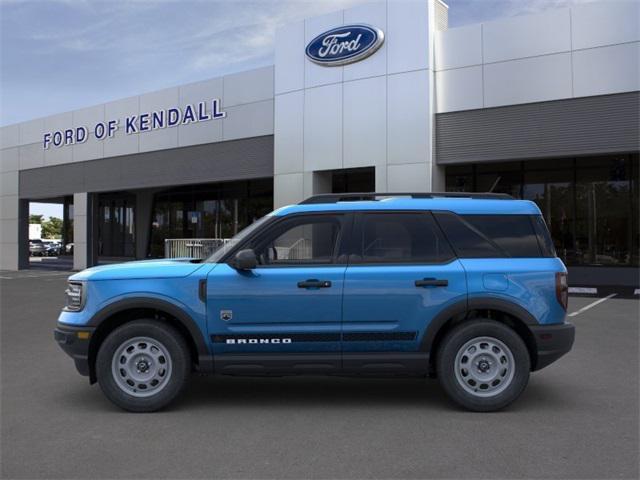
343	45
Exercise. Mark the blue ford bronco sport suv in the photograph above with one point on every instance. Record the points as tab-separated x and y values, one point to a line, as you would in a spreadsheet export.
464	287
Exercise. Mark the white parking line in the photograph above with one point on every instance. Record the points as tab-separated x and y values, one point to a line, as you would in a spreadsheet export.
591	305
583	290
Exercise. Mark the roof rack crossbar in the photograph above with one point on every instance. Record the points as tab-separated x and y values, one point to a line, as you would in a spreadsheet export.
351	197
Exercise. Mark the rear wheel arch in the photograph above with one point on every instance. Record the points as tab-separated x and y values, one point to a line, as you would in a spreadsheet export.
502	311
116	315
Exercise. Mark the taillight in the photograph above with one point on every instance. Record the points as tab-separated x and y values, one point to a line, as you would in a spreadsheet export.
562	289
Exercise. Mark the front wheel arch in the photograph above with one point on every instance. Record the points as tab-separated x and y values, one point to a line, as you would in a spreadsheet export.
112	318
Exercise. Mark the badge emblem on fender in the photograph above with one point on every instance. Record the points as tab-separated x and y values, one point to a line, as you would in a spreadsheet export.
226	315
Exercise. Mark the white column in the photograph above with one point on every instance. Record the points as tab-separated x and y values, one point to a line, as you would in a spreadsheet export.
9	218
81	233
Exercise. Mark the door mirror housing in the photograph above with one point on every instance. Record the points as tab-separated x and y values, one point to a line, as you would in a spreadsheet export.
245	260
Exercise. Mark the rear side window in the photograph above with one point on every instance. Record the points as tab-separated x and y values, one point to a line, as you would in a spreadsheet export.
401	238
491	236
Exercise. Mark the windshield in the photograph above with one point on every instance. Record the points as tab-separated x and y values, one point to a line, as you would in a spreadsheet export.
241	235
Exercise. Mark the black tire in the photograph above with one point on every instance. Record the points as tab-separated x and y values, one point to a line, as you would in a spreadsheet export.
176	348
452	344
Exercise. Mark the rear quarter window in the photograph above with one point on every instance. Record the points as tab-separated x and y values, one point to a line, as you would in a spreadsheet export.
493	236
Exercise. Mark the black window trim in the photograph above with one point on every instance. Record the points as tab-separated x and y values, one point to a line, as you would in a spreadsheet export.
345	219
354	258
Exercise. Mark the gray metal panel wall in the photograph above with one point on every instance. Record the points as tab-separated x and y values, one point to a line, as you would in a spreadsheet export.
214	162
572	127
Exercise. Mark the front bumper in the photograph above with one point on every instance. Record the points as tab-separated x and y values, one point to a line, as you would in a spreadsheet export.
552	341
75	343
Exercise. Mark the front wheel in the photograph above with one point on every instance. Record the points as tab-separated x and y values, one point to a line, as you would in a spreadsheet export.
483	365
143	365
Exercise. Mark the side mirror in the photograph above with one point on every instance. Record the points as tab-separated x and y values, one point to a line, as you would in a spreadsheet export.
245	260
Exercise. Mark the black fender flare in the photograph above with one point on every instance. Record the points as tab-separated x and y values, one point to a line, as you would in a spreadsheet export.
205	360
455	309
463	307
512	308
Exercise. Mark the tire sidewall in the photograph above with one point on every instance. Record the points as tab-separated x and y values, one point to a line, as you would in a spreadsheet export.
461	334
176	348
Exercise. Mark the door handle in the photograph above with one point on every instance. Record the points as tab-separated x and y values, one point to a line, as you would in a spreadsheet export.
432	282
313	283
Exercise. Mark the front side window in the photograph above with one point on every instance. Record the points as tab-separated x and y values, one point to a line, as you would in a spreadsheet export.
231	244
401	238
300	241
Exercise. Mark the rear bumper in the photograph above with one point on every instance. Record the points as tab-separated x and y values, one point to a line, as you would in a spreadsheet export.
552	341
74	345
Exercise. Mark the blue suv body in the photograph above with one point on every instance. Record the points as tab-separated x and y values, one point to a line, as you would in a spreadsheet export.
464	287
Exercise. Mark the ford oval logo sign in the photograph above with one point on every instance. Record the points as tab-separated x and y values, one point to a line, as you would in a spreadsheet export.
343	45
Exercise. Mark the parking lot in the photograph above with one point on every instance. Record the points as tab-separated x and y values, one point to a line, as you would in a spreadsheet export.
577	419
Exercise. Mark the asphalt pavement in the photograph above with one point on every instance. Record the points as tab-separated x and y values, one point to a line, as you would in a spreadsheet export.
578	418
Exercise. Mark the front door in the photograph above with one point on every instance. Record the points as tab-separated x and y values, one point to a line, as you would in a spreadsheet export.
401	274
286	313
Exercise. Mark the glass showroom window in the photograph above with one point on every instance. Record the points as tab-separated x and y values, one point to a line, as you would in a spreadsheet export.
604	211
500	178
549	183
217	210
590	204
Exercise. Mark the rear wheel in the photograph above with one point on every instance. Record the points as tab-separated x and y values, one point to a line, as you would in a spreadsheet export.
143	365
483	365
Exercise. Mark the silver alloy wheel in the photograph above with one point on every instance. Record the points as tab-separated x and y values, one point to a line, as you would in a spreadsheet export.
484	366
141	366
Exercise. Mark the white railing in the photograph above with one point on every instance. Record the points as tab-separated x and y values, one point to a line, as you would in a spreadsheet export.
299	250
192	247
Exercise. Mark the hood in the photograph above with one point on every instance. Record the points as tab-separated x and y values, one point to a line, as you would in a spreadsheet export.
143	269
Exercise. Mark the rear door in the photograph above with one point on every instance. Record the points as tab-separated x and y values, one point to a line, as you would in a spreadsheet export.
401	274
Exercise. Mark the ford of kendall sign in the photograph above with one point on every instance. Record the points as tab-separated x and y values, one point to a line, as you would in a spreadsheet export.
343	45
139	123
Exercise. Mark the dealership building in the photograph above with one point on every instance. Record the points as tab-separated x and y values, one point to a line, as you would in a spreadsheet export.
381	97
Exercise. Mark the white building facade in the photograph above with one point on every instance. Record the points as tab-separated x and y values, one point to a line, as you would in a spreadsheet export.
542	106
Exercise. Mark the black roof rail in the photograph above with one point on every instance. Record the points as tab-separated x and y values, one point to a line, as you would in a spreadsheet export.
353	197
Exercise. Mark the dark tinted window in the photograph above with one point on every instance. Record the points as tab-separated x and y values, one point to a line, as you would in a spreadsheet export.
512	233
300	241
544	238
402	238
488	236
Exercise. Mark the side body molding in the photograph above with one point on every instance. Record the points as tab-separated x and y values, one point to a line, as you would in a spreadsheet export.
205	360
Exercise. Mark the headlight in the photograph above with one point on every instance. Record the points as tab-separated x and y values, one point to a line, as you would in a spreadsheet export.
75	297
